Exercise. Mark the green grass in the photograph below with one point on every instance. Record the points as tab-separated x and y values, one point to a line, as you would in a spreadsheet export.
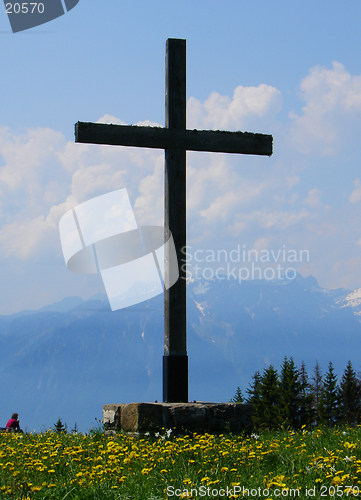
65	466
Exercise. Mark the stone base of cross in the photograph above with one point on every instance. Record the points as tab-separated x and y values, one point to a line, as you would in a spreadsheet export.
175	139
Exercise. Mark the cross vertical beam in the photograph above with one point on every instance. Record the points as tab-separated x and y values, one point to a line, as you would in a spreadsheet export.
175	139
175	359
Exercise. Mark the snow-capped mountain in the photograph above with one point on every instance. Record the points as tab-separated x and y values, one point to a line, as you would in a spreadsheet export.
70	358
353	300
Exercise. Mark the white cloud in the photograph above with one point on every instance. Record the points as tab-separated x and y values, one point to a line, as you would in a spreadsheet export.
278	219
263	225
333	100
207	176
223	206
47	175
223	113
230	198
149	205
29	156
313	198
95	179
43	177
293	198
21	238
261	244
116	121
110	119
355	196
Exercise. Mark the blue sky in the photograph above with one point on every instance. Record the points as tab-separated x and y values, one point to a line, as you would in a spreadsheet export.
291	69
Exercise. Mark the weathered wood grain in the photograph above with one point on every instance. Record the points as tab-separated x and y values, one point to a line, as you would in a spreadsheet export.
164	138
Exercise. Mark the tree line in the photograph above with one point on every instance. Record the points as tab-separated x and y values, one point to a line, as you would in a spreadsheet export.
290	398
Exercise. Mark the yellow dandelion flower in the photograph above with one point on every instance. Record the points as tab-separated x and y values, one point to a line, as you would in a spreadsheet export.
35	488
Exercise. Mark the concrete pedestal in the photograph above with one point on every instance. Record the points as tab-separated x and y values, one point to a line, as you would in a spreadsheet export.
197	417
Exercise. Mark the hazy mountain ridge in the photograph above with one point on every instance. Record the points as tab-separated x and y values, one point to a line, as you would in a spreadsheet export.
70	358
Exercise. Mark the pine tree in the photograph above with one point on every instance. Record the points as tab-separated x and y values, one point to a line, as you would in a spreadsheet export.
329	399
307	411
317	388
238	397
59	426
349	397
265	408
254	390
290	394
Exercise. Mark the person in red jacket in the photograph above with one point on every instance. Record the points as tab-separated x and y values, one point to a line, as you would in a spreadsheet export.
14	424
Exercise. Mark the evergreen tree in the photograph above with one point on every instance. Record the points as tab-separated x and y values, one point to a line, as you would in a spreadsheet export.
349	397
265	407
238	397
59	426
317	388
290	394
329	399
254	390
307	411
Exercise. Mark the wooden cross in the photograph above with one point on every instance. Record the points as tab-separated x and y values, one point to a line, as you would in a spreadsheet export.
175	139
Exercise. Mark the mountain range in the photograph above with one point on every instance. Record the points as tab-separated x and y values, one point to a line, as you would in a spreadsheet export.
70	358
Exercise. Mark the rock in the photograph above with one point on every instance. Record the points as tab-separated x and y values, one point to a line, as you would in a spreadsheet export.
197	417
111	416
109	433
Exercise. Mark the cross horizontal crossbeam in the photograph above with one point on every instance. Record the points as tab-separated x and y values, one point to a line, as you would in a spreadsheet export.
176	140
165	138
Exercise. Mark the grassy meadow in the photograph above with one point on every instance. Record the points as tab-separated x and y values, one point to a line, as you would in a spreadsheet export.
322	463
